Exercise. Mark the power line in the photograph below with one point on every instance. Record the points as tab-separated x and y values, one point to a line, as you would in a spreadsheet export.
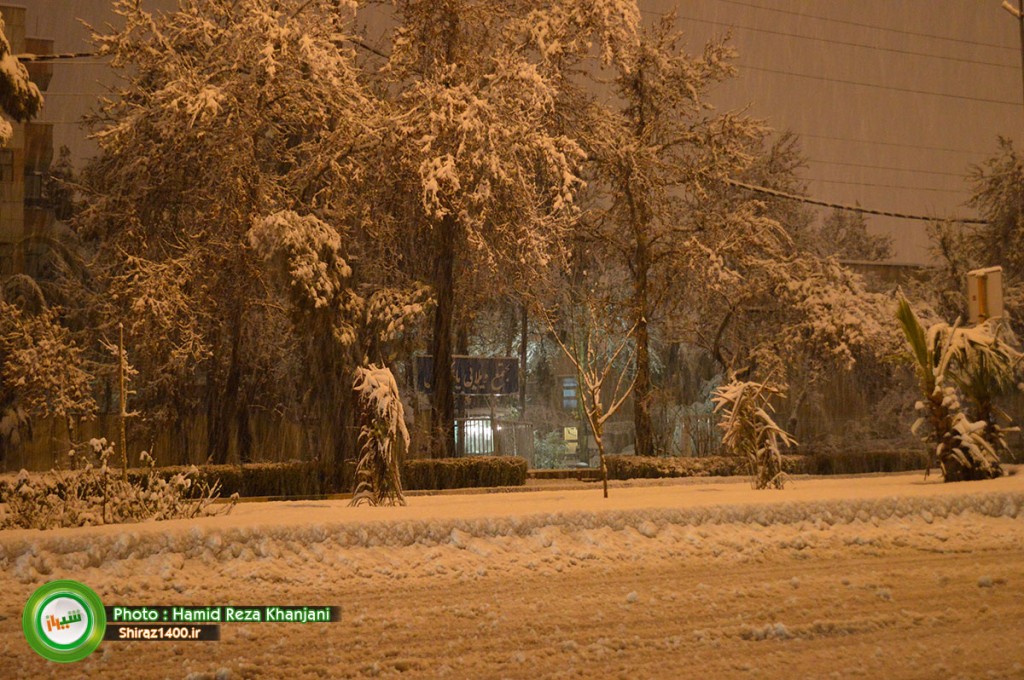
888	168
841	206
894	50
879	143
930	93
880	186
871	26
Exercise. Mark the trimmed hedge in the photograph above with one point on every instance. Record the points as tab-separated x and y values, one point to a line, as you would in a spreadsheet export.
458	473
297	478
649	467
861	462
818	463
304	478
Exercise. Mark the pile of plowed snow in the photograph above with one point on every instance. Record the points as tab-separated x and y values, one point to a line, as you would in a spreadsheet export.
491	525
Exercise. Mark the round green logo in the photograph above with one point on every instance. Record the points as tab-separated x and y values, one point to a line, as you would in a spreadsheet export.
64	621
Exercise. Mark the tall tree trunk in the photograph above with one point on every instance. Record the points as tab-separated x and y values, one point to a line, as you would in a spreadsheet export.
345	428
442	401
462	347
244	431
643	443
228	408
522	361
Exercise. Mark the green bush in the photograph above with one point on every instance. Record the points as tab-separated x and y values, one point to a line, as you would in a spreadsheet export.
458	473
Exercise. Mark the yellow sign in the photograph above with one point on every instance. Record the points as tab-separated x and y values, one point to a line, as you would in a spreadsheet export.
570	434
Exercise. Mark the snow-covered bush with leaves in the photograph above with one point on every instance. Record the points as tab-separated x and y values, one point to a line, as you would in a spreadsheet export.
383	438
92	493
41	372
952	361
749	430
549	450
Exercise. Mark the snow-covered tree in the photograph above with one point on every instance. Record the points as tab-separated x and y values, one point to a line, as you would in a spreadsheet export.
480	177
844	234
227	111
756	293
655	157
345	330
999	198
20	99
42	369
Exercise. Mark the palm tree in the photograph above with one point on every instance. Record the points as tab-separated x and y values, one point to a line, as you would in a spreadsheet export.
981	365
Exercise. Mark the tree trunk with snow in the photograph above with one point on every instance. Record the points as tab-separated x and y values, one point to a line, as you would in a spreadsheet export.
442	400
643	387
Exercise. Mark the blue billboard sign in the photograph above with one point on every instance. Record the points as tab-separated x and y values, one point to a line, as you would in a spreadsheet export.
473	375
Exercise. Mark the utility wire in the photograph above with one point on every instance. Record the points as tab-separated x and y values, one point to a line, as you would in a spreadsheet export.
879	143
875	27
840	206
894	50
893	88
887	168
883	186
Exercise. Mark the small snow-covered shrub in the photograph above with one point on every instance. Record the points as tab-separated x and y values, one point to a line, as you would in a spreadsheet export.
383	438
749	430
457	473
93	493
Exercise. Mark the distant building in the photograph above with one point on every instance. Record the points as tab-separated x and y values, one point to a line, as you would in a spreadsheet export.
25	161
885	277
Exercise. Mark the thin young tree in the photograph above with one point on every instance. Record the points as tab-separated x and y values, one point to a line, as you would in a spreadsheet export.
584	311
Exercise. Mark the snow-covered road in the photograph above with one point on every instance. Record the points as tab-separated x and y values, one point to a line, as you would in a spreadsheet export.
871	577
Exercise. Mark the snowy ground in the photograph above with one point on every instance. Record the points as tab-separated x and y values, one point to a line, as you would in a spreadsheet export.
879	577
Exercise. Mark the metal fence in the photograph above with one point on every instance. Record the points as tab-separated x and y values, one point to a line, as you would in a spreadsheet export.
482	436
